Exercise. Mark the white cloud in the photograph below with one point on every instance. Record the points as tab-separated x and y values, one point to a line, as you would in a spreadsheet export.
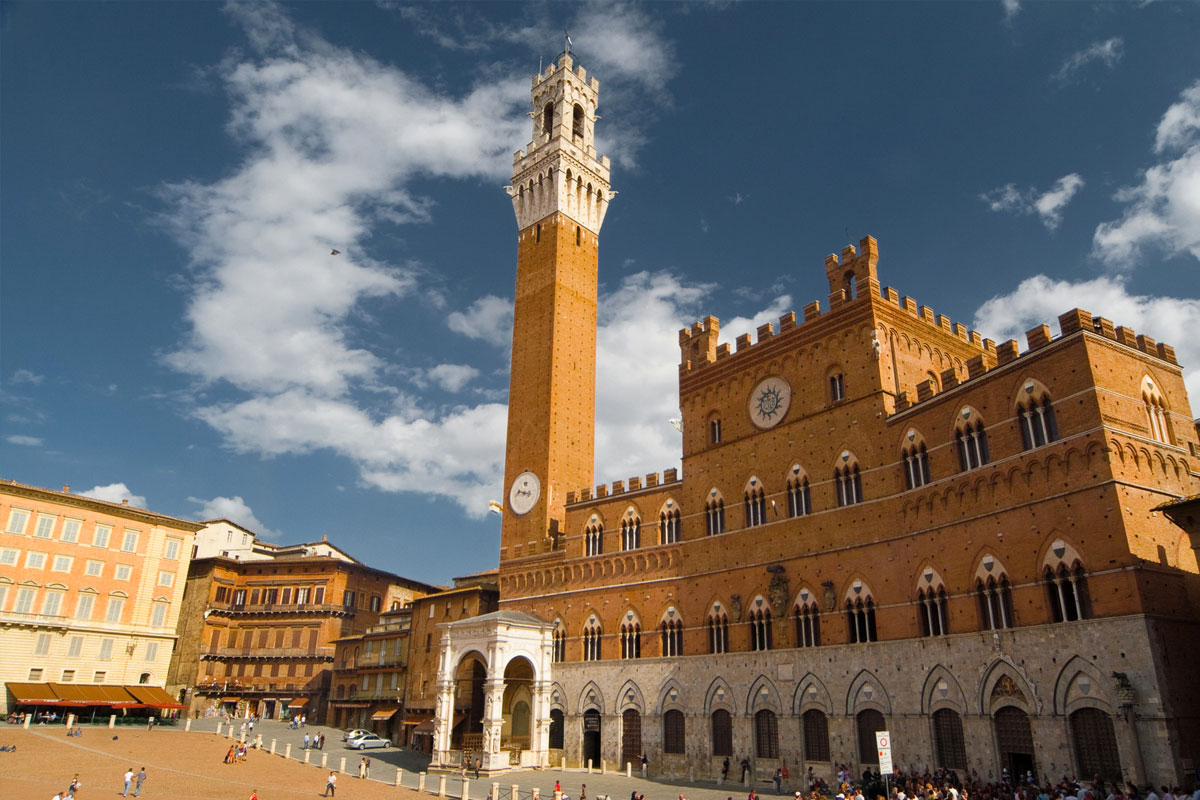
488	319
1108	52
24	441
1163	211
235	510
1011	9
1041	299
116	493
25	376
333	139
453	377
1048	205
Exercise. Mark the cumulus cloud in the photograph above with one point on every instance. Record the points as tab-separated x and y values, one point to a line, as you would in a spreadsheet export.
453	377
26	376
1040	299
1108	53
23	441
233	509
1048	204
116	493
488	319
1163	211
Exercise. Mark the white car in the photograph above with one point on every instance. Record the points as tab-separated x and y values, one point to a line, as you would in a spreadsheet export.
353	734
364	740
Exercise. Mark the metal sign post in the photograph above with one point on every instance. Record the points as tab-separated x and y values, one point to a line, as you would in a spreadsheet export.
883	743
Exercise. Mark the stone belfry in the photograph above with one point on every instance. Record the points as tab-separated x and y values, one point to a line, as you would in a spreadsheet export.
560	193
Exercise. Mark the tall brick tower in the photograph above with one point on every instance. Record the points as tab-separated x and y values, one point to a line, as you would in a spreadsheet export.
559	192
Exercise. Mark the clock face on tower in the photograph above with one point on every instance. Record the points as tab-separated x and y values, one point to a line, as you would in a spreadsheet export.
524	493
769	402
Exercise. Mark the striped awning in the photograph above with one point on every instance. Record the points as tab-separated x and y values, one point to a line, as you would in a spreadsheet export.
384	713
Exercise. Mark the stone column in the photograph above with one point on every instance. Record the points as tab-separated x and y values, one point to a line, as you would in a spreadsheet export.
444	721
539	712
493	718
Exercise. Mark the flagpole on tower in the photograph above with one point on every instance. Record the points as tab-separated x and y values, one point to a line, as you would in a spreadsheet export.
567	44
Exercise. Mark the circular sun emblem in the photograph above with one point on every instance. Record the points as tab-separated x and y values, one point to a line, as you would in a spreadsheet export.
769	402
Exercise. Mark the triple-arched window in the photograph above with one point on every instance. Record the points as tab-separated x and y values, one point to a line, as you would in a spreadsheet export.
916	465
760	629
714	514
560	642
932	611
860	618
593	538
849	485
808	624
668	524
1156	412
799	497
718	631
970	438
631	639
995	602
672	637
1036	417
1067	592
631	532
592	638
755	502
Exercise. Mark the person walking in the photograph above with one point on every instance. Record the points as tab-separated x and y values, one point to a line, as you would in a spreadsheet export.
141	778
331	785
306	741
75	786
128	781
362	767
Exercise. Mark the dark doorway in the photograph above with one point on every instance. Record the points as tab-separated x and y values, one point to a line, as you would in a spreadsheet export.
591	736
1014	739
556	729
631	738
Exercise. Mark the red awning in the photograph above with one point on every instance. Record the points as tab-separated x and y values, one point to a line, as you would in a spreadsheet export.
39	694
384	713
299	702
154	697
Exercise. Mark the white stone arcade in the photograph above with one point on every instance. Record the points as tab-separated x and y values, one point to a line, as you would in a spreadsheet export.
494	676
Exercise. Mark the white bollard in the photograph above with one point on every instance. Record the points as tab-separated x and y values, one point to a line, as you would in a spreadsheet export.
187	725
589	767
112	721
562	765
558	796
604	766
307	753
466	789
495	790
342	768
537	793
421	782
272	747
28	717
242	737
746	778
287	750
516	792
442	785
692	774
218	729
258	741
628	770
644	767
399	776
70	721
324	760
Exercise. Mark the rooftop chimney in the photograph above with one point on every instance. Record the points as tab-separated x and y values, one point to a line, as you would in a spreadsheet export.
66	487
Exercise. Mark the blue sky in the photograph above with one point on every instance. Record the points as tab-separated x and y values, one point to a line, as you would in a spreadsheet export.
174	175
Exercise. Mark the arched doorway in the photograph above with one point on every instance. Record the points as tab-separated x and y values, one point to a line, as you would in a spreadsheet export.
869	722
467	727
631	738
1095	745
1014	740
591	736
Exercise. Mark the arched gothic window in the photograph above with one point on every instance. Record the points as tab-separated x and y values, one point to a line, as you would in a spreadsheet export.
970	439
1038	425
849	485
916	466
760	629
995	602
631	640
577	122
672	637
1067	592
1156	412
718	632
592	637
668	526
931	609
673	738
860	618
816	735
799	498
631	533
766	734
560	644
548	119
722	733
808	624
755	502
714	515
593	538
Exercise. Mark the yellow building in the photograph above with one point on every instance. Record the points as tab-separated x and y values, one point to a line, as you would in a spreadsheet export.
90	593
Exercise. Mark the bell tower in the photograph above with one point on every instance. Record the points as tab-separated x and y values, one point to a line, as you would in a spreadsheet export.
560	193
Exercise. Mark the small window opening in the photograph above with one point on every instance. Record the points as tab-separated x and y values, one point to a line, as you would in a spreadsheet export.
548	119
577	122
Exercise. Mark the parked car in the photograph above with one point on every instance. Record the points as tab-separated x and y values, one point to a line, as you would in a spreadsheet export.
353	734
365	740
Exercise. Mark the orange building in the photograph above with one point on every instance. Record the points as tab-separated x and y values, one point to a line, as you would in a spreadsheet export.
884	522
258	629
370	672
90	594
